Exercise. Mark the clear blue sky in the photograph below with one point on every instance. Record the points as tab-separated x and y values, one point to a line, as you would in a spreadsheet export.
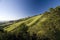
16	9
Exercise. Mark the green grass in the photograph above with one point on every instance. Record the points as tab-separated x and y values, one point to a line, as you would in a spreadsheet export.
11	27
16	25
37	27
36	19
29	22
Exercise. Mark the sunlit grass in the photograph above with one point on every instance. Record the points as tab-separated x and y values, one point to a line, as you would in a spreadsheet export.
11	27
28	22
35	19
16	25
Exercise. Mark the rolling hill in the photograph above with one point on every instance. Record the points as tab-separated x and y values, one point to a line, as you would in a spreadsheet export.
46	25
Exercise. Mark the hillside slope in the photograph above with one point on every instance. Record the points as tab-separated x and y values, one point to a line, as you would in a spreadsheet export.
44	25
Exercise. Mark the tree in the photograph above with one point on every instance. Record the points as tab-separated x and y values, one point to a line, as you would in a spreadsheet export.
52	10
57	8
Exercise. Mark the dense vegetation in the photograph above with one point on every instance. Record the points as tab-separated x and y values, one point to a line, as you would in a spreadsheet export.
44	26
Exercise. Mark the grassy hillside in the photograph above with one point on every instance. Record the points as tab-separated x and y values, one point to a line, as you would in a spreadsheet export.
29	22
44	26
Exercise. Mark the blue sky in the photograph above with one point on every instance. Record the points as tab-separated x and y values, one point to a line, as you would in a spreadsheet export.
16	9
